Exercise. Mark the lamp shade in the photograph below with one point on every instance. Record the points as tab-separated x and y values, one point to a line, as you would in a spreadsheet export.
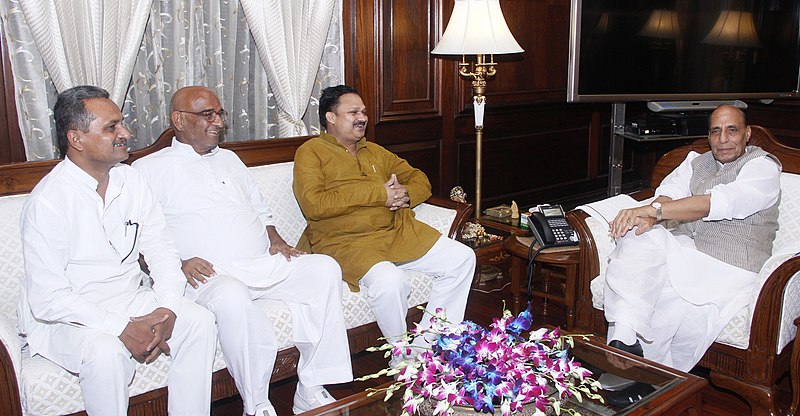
477	27
734	28
662	24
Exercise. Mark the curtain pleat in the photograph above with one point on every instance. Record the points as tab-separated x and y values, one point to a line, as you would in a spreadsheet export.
290	37
88	42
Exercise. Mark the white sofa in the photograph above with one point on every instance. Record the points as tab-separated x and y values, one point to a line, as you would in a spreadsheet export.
755	349
43	388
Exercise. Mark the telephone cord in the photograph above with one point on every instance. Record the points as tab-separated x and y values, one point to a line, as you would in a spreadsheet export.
531	257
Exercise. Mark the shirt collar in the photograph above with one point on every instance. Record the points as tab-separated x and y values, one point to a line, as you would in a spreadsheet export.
332	139
115	182
720	165
79	174
188	150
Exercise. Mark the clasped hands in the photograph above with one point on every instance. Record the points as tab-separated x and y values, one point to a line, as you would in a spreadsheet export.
396	194
146	336
626	219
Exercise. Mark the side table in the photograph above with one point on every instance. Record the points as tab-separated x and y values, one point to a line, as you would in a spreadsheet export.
554	277
489	253
495	254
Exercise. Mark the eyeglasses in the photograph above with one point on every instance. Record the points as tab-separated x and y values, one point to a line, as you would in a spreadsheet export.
207	114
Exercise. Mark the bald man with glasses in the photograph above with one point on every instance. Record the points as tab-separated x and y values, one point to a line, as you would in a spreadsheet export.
233	255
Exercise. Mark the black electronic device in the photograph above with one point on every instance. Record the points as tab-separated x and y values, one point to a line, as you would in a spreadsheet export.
550	227
652	126
689	124
625	51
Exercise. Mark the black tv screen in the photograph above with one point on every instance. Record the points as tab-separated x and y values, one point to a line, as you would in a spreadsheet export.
642	50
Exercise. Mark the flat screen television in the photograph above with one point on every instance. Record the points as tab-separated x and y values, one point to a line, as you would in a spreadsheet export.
645	50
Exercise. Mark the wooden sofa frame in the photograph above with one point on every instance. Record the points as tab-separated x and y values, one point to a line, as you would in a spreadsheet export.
20	178
753	372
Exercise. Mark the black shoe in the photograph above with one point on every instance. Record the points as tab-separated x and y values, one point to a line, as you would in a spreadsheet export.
630	395
635	349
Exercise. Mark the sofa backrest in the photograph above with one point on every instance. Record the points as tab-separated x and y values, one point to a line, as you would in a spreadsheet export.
275	183
788	235
12	269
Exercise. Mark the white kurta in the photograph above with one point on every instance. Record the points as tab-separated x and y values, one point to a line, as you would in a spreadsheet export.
215	211
83	282
676	298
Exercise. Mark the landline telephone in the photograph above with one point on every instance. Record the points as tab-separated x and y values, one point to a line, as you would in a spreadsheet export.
550	227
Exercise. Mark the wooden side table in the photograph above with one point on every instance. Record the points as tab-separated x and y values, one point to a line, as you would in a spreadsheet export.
491	253
554	277
495	254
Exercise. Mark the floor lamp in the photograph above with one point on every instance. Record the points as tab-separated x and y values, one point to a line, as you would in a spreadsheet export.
477	27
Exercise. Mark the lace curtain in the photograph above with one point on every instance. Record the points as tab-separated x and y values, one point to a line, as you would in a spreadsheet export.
185	42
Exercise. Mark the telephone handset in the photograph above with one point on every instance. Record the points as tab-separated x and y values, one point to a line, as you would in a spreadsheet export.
550	227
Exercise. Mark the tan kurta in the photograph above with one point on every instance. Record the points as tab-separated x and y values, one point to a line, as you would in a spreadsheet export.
344	202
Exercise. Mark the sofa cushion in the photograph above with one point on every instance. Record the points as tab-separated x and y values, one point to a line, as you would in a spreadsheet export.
786	244
12	268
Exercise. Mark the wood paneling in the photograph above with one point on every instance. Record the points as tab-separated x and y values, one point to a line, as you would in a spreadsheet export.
408	72
781	118
538	75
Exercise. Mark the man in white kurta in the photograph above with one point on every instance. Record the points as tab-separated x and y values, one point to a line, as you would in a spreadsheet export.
668	295
82	303
233	255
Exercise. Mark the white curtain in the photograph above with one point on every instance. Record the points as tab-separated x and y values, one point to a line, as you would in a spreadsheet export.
35	94
290	37
185	42
195	42
88	42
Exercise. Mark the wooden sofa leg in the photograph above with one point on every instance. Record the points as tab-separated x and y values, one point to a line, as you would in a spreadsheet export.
761	399
794	371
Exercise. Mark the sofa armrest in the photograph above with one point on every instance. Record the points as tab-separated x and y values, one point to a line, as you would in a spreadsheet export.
463	213
772	309
10	365
587	318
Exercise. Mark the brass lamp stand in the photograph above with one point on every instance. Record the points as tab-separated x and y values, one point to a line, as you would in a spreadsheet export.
482	71
477	27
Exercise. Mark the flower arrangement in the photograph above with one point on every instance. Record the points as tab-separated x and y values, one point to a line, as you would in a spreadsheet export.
465	364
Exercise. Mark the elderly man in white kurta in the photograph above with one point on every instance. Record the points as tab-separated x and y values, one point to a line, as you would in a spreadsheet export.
669	295
233	255
83	305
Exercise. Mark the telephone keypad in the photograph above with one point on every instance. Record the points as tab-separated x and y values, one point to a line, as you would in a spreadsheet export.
561	230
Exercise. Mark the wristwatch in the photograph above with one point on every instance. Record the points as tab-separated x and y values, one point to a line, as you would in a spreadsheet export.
657	206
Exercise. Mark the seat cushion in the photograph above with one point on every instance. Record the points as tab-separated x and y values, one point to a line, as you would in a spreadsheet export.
50	390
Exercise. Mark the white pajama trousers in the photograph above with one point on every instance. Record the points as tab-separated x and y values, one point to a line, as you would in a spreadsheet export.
453	266
105	367
676	298
311	287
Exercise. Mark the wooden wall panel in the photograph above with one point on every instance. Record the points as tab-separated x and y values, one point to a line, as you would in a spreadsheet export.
526	167
537	75
408	72
781	118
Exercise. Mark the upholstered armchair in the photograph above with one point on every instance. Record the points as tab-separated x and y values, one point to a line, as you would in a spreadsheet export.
754	351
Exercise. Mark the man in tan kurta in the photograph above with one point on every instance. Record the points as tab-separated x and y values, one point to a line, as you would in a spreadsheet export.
357	198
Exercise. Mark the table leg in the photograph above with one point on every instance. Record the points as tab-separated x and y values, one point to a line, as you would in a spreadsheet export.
518	266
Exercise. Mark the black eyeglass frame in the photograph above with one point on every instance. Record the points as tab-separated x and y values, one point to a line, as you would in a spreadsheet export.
208	114
135	237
